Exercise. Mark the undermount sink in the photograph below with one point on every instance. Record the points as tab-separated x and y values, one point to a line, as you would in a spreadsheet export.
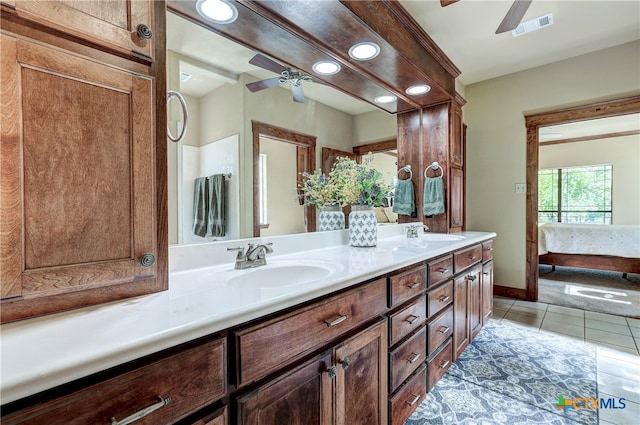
283	273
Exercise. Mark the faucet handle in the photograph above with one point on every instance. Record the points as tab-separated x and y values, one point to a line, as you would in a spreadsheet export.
239	249
268	247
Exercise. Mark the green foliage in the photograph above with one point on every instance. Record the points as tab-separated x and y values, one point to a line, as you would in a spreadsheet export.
358	183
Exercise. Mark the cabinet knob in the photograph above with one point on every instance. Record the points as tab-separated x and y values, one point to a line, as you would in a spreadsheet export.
144	32
345	363
332	371
456	222
147	259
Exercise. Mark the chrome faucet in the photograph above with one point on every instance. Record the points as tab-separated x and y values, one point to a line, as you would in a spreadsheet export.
254	256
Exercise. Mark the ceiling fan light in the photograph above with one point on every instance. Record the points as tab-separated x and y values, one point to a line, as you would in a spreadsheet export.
417	89
218	11
386	98
364	51
326	67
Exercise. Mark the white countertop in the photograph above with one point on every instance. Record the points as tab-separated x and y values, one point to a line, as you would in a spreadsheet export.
40	353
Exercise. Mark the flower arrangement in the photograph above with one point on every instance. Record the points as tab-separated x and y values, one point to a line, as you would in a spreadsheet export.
319	190
348	183
358	183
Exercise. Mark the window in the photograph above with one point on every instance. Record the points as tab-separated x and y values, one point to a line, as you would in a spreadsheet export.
575	195
262	189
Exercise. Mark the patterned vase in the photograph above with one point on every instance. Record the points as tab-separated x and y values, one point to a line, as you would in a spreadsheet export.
363	226
331	217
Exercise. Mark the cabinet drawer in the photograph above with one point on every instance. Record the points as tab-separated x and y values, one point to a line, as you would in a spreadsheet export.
267	346
439	298
407	357
440	270
467	257
192	379
487	251
406	285
408	397
439	364
407	320
439	329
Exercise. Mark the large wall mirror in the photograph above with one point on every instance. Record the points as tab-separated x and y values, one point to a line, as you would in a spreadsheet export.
211	72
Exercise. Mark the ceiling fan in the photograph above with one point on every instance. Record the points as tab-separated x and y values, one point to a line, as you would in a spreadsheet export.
294	77
512	18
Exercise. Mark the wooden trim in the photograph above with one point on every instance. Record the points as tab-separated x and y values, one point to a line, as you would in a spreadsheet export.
306	146
383	146
506	291
533	123
594	137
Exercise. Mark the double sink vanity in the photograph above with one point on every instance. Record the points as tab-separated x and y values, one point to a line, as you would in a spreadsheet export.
323	333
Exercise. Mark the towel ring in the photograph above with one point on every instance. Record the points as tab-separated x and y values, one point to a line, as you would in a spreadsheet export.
434	166
183	104
406	168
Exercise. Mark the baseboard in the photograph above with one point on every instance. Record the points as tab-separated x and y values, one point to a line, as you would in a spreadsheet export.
506	291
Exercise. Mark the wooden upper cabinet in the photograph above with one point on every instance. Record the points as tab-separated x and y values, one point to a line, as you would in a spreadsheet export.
120	26
78	209
456	199
456	149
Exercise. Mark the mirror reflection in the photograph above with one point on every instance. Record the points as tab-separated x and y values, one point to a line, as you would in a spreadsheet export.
211	72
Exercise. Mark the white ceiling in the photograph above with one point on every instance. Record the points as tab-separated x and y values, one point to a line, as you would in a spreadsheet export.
465	31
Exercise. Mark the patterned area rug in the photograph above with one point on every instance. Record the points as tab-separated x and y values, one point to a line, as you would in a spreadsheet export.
512	375
592	290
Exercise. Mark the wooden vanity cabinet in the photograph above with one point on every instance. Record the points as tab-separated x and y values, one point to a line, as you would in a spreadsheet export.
187	381
81	169
345	385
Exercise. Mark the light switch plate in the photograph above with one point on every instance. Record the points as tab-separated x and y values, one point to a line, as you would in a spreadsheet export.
521	188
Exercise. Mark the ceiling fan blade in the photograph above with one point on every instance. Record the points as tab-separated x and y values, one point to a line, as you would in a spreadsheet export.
298	94
263	84
514	16
266	63
444	3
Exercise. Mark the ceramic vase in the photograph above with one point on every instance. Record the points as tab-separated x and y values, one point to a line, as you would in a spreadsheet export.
363	226
331	217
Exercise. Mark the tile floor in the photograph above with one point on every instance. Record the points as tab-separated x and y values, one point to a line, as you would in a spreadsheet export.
617	341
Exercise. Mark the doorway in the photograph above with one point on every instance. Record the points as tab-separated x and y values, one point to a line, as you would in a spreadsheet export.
534	123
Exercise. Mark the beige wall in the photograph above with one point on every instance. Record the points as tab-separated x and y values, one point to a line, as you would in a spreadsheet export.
622	153
496	138
374	126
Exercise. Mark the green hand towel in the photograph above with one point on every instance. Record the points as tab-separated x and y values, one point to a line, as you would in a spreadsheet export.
200	209
433	196
403	198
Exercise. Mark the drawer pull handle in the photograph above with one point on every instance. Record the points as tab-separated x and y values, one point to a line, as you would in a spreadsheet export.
339	320
416	397
485	273
345	363
332	371
414	357
412	319
472	257
444	364
444	298
444	329
142	413
472	277
414	285
443	270
489	249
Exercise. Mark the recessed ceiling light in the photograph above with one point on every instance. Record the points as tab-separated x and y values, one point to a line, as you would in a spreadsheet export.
326	67
365	50
218	11
387	98
418	89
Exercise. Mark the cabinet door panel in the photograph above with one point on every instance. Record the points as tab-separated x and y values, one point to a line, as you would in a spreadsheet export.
81	178
361	384
456	197
109	23
487	292
460	319
301	397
